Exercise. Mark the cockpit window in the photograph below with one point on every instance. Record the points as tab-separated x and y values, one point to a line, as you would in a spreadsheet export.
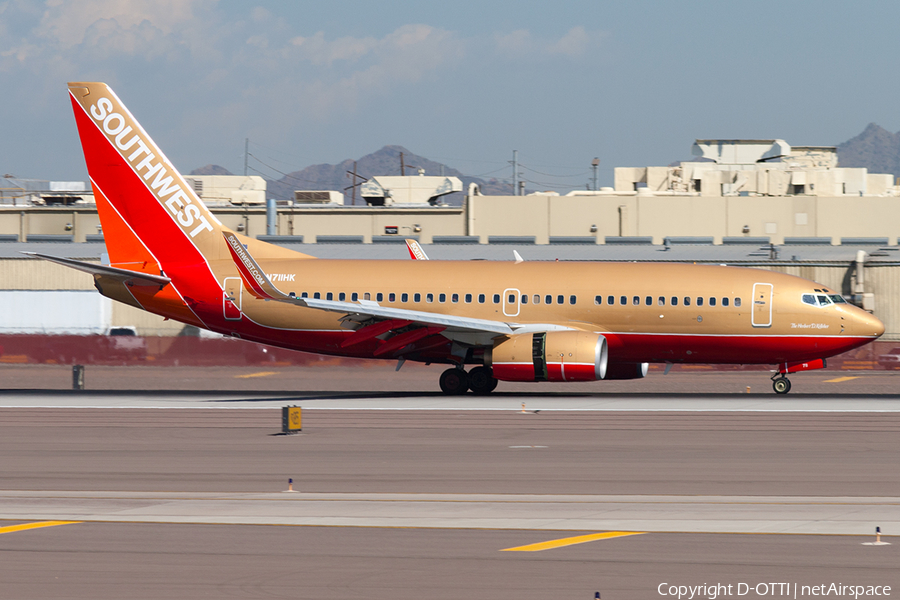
837	299
810	299
823	300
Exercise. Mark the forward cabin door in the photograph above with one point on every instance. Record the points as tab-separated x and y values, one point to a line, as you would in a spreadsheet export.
762	305
231	300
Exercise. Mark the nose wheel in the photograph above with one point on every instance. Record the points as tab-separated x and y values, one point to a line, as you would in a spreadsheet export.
781	384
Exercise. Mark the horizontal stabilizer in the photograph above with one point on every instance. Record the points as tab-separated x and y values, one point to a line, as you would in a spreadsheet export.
124	275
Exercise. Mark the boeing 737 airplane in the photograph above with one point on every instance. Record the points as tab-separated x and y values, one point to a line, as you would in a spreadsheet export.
512	321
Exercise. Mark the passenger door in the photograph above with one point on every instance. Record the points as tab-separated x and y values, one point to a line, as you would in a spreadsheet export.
761	315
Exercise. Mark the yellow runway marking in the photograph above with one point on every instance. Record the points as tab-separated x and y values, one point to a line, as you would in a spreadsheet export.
580	539
260	374
37	525
840	379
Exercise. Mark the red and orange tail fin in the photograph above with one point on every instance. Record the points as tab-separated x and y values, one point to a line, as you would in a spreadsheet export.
152	220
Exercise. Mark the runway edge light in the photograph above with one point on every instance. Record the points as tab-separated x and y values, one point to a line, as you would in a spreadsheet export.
291	420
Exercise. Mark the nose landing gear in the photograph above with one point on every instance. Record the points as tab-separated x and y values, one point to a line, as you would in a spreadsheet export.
781	384
455	381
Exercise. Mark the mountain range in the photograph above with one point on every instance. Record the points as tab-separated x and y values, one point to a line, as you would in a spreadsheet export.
385	161
875	148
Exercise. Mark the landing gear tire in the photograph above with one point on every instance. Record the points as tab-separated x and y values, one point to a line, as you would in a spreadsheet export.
454	382
781	385
481	380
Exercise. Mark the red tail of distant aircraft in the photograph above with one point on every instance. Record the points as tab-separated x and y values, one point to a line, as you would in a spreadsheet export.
514	321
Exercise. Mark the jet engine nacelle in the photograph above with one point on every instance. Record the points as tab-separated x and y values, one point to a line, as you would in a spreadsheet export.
550	356
627	370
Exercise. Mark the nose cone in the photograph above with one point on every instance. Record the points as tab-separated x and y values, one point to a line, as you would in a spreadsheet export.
867	325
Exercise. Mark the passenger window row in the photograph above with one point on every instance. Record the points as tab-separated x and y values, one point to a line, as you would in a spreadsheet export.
664	301
442	298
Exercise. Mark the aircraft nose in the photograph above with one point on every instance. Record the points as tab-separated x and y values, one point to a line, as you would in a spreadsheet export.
867	324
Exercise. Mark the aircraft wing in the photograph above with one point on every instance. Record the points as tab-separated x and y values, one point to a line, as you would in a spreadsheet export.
259	284
124	275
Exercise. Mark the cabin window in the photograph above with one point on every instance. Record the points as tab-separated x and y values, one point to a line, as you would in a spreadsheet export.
392	297
379	297
687	300
429	297
724	301
468	298
342	296
454	298
524	298
661	301
304	295
442	298
598	299
573	299
737	302
548	299
537	299
674	300
648	300
496	298
623	300
367	296
511	299
636	301
404	297
329	296
481	298
712	301
417	297
610	300
354	296
560	299
316	295
699	300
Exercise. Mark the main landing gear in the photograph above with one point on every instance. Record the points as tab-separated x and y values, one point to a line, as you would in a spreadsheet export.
456	381
781	384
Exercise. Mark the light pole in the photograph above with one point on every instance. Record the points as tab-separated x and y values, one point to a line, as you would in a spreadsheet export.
594	164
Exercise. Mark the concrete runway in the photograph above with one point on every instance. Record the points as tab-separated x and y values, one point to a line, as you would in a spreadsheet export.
423	499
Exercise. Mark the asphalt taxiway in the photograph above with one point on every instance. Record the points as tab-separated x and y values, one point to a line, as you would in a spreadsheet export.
162	494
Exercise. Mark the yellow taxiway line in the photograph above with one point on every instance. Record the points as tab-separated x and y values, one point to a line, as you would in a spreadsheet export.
261	374
38	525
569	541
840	379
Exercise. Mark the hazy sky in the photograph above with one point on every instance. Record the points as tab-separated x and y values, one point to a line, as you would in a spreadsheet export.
460	82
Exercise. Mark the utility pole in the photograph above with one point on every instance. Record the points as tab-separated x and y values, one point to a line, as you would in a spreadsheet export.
246	154
515	164
402	166
594	164
353	187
